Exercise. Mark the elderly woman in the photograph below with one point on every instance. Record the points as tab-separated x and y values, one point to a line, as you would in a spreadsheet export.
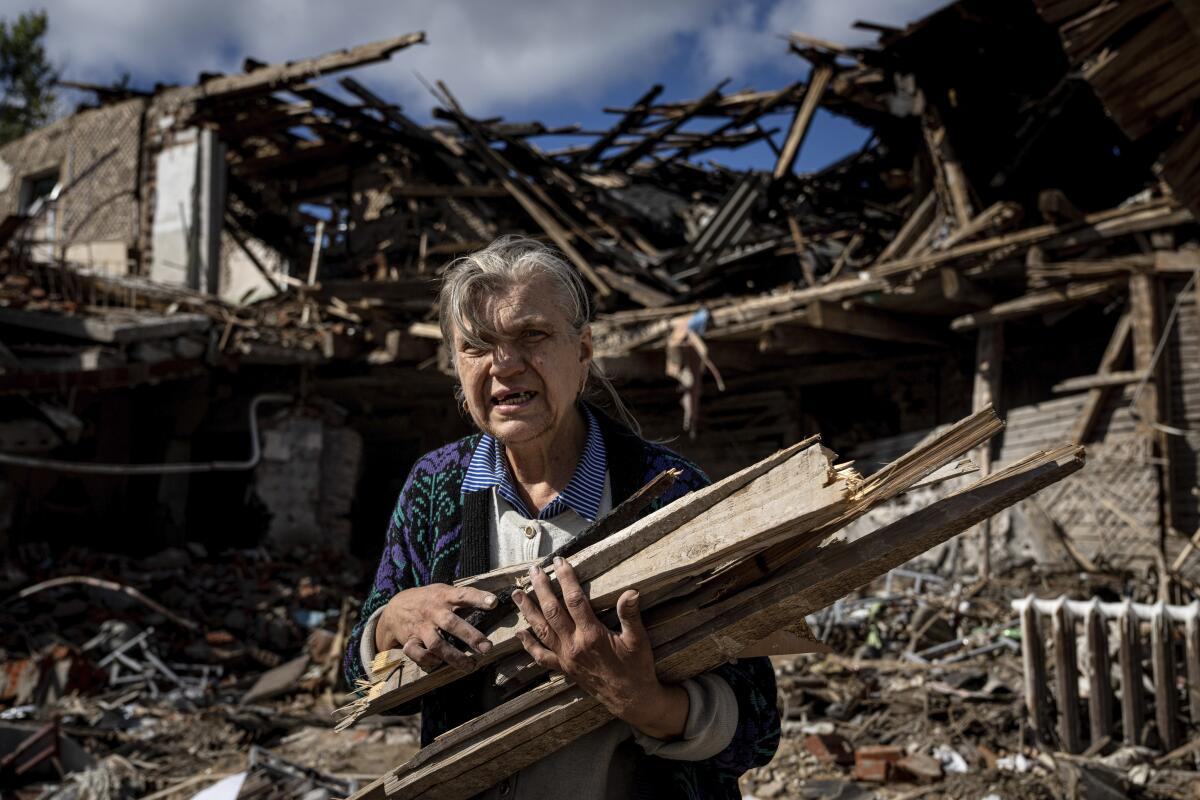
545	465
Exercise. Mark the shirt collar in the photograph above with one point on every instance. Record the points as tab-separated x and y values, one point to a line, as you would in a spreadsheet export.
489	468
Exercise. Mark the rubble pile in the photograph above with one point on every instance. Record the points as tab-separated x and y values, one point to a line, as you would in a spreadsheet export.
124	678
926	702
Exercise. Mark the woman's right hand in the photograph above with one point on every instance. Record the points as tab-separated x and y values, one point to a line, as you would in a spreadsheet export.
414	619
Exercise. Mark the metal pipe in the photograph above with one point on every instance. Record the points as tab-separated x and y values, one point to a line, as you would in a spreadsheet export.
90	468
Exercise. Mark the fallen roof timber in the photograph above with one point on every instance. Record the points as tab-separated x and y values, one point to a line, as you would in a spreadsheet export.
276	76
1093	228
1038	302
481	752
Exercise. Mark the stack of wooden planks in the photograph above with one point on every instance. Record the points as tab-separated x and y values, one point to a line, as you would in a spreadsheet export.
719	570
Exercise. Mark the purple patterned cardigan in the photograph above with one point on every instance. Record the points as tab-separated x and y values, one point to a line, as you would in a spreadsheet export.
438	534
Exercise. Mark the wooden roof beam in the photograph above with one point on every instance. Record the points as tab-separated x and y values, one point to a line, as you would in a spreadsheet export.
278	76
1038	303
827	316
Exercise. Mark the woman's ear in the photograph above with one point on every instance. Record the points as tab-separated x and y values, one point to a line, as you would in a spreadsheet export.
585	344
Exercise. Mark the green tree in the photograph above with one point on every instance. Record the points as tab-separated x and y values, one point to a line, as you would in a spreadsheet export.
27	77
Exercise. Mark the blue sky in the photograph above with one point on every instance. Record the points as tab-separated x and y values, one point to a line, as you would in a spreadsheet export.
558	62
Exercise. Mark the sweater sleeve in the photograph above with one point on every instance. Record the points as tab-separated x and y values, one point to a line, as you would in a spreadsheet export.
394	575
756	737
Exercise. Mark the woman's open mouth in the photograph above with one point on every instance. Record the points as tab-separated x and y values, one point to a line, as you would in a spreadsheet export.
513	399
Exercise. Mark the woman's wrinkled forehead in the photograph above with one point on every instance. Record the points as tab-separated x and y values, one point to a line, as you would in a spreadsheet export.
506	311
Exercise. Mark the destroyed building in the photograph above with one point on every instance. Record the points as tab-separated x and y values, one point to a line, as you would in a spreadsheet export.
1004	236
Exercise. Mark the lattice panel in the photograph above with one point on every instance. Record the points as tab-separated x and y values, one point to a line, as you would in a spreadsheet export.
1110	507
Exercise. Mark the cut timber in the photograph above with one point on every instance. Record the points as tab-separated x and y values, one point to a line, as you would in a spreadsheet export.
868	324
1097	397
1037	303
911	469
801	122
276	76
690	534
480	753
1098	381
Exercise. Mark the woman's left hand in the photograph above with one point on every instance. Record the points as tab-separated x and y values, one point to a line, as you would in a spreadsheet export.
615	668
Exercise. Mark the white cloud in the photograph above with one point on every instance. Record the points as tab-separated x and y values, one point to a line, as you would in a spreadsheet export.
498	57
832	19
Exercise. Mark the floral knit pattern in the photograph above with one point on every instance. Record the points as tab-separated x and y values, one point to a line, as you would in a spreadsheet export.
423	544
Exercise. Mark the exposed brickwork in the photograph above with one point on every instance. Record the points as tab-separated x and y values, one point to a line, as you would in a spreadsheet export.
97	151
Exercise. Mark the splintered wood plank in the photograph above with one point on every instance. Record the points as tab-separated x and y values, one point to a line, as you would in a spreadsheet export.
1133	701
1099	672
476	755
817	578
741	513
1033	653
1166	701
1066	678
882	485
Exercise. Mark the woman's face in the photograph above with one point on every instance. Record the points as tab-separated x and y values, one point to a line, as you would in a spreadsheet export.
522	386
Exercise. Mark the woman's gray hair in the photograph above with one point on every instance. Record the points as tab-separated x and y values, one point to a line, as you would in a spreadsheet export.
508	261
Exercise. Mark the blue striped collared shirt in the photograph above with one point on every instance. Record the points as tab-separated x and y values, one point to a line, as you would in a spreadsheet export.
583	494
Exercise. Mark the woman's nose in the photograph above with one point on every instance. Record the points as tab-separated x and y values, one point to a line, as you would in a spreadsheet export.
507	358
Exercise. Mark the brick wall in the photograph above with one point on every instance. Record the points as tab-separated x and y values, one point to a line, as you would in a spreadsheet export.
95	153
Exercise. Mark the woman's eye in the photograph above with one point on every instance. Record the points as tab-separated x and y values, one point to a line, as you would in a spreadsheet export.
533	334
